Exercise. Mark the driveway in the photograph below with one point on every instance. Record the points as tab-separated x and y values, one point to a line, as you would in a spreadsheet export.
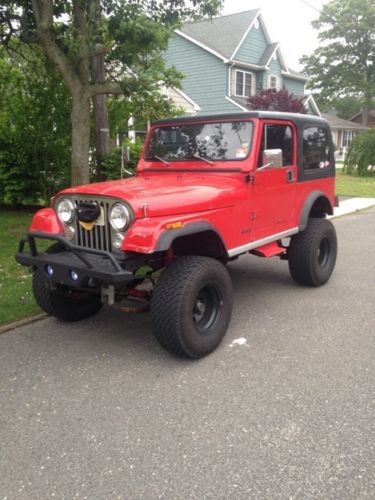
98	410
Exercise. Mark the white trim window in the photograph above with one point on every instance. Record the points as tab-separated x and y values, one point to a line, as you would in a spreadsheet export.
347	137
273	82
243	83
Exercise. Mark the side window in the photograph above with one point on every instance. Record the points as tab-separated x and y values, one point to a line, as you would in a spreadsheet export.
277	137
316	148
244	83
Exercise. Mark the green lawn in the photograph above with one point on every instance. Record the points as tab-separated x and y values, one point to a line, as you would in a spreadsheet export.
354	186
16	300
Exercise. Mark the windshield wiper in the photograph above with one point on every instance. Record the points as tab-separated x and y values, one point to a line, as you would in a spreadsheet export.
203	159
161	159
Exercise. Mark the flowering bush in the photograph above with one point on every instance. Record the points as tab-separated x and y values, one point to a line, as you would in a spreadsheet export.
276	100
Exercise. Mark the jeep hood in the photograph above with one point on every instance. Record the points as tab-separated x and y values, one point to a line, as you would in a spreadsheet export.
168	194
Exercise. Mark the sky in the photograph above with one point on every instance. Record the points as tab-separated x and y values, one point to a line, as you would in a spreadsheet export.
287	21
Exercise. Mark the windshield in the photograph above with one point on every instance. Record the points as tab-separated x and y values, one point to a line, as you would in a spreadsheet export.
200	141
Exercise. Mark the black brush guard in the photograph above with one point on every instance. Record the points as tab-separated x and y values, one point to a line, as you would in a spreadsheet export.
73	266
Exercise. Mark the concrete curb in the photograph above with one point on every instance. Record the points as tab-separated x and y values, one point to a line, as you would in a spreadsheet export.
352	205
22	322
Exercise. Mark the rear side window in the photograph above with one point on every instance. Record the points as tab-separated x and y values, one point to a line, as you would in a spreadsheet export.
316	148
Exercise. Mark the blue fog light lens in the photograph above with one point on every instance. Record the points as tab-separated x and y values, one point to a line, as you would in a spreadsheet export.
49	270
73	275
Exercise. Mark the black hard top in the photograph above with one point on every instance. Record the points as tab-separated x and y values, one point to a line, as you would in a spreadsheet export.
270	115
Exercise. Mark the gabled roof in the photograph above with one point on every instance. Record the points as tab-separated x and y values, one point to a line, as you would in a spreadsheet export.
222	34
338	123
357	115
309	100
268	54
295	74
271	50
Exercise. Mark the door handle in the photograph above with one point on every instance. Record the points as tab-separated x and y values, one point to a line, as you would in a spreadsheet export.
289	176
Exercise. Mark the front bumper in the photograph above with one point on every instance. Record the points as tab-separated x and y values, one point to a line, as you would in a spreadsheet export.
73	266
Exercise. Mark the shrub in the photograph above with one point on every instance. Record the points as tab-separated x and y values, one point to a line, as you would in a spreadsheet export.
361	154
112	164
276	100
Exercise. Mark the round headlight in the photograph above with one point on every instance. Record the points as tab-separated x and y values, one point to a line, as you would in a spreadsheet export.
119	217
65	210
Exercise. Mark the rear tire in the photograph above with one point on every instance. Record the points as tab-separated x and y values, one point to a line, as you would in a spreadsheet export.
312	253
191	306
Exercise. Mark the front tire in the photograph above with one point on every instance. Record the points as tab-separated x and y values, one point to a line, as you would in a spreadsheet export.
312	253
191	306
64	302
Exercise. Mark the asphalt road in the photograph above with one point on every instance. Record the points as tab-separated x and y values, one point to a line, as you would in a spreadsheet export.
98	410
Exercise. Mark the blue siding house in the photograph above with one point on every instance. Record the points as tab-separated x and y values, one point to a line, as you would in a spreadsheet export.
228	59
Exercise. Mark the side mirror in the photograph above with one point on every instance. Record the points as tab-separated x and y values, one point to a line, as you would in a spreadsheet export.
272	158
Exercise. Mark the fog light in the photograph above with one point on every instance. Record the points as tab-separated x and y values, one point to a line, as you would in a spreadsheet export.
49	270
117	240
73	275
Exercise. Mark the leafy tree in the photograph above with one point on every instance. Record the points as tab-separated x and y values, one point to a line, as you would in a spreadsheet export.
276	100
131	36
361	154
34	128
345	107
344	64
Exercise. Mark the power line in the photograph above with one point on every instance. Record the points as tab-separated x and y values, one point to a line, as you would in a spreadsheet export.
311	6
329	18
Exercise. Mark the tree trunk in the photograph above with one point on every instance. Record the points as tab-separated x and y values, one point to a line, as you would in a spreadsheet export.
101	122
366	112
80	118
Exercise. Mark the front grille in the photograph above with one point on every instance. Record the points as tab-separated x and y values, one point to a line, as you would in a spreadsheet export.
99	237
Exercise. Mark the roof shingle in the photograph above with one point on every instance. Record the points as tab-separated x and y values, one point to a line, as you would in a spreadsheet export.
222	34
267	54
336	122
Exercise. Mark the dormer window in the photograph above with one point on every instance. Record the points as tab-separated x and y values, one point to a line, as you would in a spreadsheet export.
244	82
273	82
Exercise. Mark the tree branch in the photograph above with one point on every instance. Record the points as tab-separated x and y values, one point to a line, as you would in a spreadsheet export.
98	50
80	35
43	11
105	88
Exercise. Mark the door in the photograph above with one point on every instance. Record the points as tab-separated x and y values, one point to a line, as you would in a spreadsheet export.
273	190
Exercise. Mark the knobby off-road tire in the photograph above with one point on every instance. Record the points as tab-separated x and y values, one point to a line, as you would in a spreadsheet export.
312	253
64	302
191	306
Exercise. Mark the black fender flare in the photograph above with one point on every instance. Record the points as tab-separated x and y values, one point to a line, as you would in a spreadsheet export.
307	206
166	238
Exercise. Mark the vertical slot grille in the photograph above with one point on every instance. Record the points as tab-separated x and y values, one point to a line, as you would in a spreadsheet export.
99	237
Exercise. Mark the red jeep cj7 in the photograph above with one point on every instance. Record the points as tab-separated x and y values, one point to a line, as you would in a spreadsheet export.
207	190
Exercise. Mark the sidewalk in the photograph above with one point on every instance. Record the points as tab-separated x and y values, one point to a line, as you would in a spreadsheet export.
353	205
